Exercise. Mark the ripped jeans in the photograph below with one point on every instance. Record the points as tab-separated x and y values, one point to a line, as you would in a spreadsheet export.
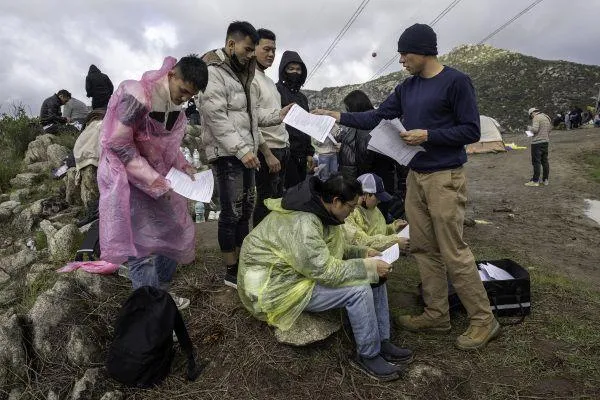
237	193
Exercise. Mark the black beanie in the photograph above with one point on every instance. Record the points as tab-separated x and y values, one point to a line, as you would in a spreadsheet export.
418	39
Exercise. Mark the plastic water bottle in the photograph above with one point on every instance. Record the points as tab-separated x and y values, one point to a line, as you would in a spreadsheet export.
199	208
187	155
196	158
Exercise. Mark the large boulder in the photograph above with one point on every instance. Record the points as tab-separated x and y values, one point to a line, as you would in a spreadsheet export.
64	243
28	217
56	154
308	328
20	194
26	180
40	167
8	209
82	348
36	150
13	361
15	263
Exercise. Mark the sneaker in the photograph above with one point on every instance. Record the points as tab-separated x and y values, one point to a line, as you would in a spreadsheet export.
181	302
546	182
231	276
212	215
476	337
376	368
532	183
394	354
422	323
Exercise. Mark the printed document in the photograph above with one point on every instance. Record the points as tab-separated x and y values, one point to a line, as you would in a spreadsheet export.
494	272
404	233
316	126
390	254
385	139
200	189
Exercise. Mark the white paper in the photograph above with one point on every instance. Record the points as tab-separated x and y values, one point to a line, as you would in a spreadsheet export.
200	189
404	233
484	275
495	273
390	254
529	133
316	126
385	139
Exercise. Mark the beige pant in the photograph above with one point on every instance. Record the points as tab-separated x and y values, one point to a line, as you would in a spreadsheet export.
435	209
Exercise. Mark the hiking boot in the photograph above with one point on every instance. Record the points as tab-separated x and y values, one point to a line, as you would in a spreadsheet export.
476	337
533	183
231	276
422	323
181	302
394	354
376	367
546	182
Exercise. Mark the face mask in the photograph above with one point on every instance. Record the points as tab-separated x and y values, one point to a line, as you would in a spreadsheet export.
294	80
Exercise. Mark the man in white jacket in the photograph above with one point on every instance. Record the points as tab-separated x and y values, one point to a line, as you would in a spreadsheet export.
231	136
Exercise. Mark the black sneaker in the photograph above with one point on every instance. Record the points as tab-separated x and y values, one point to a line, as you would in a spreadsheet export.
376	368
394	354
231	276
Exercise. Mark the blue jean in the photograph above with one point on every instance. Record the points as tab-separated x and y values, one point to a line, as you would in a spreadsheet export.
153	270
330	162
367	310
236	195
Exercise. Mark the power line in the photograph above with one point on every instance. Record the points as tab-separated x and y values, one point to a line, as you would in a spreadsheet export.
437	19
510	21
337	39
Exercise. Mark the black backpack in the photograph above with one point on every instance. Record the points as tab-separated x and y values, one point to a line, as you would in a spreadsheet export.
142	350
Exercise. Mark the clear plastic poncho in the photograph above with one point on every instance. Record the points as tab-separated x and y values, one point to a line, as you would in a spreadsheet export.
366	227
286	255
137	215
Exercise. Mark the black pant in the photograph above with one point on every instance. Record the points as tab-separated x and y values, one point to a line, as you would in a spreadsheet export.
295	171
539	158
268	185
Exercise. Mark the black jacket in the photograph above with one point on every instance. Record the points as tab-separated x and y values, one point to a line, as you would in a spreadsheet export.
300	145
50	111
305	197
99	87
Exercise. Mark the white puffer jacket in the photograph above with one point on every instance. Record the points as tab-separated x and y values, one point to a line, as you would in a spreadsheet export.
229	121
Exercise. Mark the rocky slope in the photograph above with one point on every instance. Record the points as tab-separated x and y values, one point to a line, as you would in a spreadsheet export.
507	84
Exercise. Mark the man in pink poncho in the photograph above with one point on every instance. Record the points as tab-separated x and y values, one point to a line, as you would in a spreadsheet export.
142	221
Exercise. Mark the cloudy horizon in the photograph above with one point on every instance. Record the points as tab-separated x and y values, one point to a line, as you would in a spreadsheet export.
48	46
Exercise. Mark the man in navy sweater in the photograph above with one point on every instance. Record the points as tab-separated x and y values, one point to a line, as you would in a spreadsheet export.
438	107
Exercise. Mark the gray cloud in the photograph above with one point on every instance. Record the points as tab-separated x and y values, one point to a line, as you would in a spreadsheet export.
47	46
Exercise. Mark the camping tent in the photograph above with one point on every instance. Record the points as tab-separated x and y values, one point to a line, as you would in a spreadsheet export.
491	139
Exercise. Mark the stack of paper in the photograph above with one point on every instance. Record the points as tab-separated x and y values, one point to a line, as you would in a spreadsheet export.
491	272
404	233
385	139
200	189
316	126
390	254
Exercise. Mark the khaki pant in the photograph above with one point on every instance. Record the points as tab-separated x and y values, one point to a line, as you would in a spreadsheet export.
435	209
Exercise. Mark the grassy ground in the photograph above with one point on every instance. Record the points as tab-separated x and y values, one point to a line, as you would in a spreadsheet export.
592	159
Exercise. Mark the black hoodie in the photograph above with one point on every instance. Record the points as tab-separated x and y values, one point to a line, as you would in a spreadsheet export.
305	197
99	87
300	145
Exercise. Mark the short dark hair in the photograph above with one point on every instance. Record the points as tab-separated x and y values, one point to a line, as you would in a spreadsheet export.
357	101
266	34
63	92
240	29
193	70
345	189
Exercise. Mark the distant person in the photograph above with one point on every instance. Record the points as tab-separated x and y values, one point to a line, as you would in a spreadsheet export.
438	107
597	120
142	220
575	117
298	260
75	110
232	138
99	87
50	115
292	75
541	125
192	113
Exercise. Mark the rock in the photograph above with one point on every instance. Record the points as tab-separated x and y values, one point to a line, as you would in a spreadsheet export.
8	209
308	328
4	197
116	395
4	277
64	244
423	372
20	194
56	154
17	262
82	349
16	394
48	229
26	179
84	387
52	396
36	150
8	296
41	167
13	363
36	270
28	217
100	286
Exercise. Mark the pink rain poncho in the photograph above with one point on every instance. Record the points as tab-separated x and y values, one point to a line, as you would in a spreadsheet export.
137	215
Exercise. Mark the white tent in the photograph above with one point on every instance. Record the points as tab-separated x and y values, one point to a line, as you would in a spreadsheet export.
491	139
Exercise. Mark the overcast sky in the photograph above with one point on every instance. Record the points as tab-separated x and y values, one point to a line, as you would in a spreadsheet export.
48	45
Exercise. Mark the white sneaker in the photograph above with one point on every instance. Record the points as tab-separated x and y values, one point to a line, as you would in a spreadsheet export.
532	183
546	182
181	302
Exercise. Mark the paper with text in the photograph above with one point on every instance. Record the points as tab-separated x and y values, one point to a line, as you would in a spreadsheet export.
316	126
390	254
404	233
200	189
385	139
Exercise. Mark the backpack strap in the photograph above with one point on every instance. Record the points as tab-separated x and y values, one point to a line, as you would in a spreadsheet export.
193	368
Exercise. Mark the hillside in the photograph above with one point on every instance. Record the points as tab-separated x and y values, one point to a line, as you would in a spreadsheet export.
507	84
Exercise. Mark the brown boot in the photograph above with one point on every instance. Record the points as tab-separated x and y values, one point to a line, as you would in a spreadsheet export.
476	337
423	323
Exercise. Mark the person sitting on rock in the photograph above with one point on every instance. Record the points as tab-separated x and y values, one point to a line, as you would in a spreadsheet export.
297	260
50	115
366	225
